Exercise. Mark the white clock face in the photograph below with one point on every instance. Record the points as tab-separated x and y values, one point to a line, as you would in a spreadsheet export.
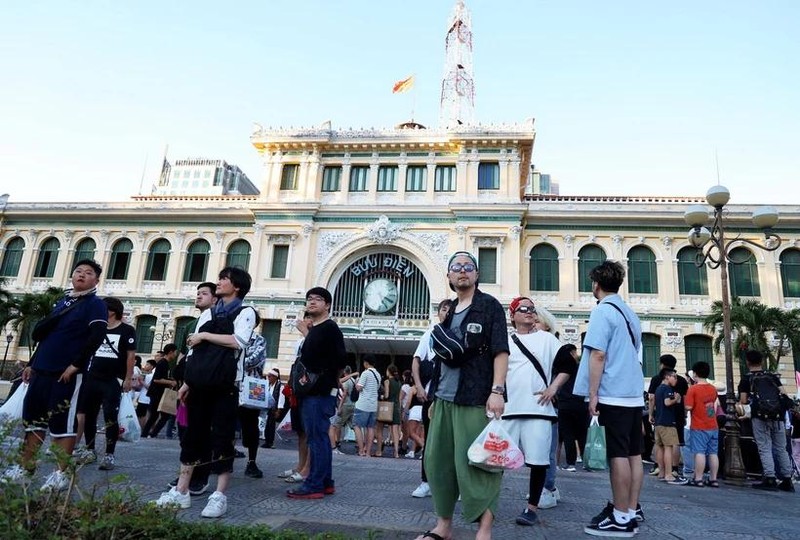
380	295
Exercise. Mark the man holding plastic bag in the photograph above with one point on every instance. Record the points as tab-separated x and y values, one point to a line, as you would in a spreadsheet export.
532	383
610	375
471	348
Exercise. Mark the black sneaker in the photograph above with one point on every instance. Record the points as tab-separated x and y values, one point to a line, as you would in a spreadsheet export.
767	484
639	513
528	517
239	454
610	527
607	511
786	485
197	488
252	470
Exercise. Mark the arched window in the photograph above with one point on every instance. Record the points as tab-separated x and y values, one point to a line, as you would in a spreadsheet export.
544	268
698	349
157	261
238	255
196	261
183	327
12	257
120	259
588	257
651	352
743	273
144	336
692	279
46	262
790	273
642	276
84	250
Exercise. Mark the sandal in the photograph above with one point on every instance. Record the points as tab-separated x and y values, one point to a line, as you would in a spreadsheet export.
695	483
432	535
712	483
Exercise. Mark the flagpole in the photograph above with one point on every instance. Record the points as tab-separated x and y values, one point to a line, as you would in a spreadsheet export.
413	96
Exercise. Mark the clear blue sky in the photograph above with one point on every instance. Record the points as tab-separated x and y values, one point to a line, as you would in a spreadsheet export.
630	97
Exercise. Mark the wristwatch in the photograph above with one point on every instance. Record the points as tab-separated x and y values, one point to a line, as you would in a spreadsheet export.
498	389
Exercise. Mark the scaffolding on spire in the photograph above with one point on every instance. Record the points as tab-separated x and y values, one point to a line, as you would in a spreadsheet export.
457	103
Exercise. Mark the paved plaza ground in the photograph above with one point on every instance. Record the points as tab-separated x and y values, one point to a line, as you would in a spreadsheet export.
373	500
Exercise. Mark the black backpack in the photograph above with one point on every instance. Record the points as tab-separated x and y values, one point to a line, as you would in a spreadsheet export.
766	402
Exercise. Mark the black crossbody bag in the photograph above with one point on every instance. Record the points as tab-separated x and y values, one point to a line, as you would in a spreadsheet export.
532	358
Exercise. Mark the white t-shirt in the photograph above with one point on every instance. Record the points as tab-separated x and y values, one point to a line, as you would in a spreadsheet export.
523	380
143	399
368	383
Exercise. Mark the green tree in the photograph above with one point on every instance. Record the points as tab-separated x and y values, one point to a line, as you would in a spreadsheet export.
25	311
751	320
787	332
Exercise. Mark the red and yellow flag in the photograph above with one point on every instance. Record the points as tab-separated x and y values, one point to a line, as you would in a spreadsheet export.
403	86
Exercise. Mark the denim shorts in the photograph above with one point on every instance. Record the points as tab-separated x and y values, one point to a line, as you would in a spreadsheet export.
704	441
364	419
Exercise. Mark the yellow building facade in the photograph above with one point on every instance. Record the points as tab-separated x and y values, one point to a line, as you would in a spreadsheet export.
373	216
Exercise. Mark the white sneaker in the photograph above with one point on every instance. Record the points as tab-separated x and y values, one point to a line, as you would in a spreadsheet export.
410	454
337	452
173	497
423	490
57	481
216	507
15	475
557	494
84	456
286	474
547	499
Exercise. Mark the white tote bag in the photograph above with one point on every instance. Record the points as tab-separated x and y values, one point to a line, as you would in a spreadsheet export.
254	393
129	428
12	408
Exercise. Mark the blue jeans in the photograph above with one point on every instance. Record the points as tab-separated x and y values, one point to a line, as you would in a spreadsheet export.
687	453
316	412
550	479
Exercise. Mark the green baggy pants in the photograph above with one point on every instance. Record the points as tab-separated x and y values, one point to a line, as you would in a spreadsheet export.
453	430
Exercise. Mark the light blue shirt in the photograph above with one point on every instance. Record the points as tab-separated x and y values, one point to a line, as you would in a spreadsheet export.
621	381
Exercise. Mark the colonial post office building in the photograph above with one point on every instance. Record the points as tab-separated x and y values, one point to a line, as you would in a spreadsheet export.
373	216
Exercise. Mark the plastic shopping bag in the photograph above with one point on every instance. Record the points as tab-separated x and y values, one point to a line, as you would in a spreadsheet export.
12	408
254	394
594	455
494	451
129	428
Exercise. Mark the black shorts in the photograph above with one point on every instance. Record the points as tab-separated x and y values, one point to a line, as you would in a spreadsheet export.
141	409
623	430
50	404
297	420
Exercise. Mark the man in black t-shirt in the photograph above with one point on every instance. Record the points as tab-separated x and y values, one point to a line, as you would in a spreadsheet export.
668	363
161	381
111	363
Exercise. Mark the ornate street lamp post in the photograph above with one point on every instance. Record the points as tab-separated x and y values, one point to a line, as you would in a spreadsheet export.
9	339
713	249
164	335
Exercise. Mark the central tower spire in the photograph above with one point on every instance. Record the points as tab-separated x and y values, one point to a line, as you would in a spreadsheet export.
457	103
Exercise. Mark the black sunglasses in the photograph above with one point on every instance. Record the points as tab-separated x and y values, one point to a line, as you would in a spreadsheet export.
458	267
525	309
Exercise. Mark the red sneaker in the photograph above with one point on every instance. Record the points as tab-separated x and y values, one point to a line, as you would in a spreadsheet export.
329	490
301	493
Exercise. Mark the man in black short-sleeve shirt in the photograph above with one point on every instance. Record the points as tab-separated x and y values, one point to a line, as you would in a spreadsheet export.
113	361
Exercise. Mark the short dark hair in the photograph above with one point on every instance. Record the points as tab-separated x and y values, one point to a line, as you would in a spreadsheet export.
668	360
89	262
608	275
443	303
115	306
240	279
169	347
667	372
754	357
701	369
211	286
152	362
322	292
369	358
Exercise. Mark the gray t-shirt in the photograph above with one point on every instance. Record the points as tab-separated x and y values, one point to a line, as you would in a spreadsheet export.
368	395
448	380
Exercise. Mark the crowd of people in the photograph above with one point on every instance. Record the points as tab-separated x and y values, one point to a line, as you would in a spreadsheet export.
467	370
